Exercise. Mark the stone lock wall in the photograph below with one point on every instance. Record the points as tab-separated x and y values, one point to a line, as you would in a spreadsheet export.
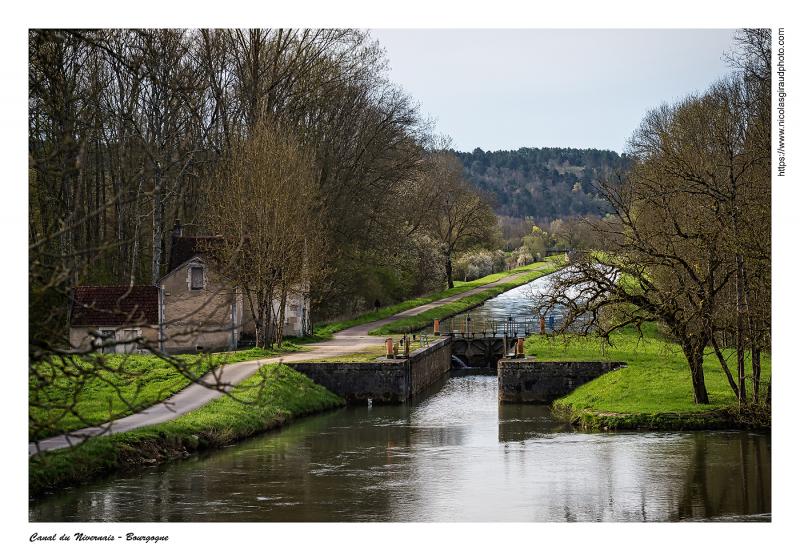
528	380
429	364
384	380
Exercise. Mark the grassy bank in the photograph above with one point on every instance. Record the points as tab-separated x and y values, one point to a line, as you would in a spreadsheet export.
326	330
262	402
420	321
109	386
654	391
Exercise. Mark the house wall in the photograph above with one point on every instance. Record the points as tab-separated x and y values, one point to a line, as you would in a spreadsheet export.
80	337
199	320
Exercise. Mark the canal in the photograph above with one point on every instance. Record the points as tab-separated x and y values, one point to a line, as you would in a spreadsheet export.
454	454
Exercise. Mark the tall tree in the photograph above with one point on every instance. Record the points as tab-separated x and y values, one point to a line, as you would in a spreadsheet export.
460	217
266	210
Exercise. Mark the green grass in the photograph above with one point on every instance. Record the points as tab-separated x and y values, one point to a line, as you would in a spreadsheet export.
420	321
656	380
326	330
262	402
85	392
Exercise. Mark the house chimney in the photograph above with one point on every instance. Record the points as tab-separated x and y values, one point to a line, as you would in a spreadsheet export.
177	232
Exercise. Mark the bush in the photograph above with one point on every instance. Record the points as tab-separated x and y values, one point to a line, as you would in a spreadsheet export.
477	264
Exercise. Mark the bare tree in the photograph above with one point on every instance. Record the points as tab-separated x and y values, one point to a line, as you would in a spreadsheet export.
265	208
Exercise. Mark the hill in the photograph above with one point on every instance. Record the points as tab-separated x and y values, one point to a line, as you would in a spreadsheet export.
543	183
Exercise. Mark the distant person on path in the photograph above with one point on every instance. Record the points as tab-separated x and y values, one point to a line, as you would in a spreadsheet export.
377	304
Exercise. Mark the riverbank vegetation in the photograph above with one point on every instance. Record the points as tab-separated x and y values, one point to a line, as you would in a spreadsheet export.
687	239
652	392
262	402
104	387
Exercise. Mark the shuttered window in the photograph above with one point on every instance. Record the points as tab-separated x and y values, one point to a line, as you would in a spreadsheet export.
197	277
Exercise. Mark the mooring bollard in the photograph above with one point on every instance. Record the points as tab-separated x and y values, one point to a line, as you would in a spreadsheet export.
389	348
520	347
436	327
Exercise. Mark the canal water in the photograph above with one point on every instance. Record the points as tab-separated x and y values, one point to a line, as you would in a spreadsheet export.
517	304
453	455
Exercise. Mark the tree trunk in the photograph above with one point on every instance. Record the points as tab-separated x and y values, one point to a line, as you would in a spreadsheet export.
253	311
267	318
261	326
281	317
158	224
753	330
724	365
756	353
136	229
448	268
694	354
740	330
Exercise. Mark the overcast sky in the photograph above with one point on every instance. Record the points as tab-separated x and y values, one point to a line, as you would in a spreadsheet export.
505	89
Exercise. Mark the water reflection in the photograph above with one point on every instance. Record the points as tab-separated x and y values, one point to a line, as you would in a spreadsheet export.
452	455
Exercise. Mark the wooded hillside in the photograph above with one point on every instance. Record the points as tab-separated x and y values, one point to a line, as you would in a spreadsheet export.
542	183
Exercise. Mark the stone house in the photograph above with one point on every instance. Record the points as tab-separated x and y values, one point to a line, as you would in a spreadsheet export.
192	308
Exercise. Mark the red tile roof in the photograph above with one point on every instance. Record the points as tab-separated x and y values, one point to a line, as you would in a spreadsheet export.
115	305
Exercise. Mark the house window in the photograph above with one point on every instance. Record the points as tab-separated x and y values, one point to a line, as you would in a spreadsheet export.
196	273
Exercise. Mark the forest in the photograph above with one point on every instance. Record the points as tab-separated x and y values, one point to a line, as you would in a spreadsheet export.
543	183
